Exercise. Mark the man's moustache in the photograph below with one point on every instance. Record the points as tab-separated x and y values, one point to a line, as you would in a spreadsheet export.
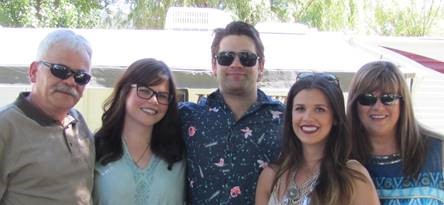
66	89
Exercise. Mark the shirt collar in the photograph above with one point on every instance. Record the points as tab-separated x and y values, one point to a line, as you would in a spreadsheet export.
38	115
262	98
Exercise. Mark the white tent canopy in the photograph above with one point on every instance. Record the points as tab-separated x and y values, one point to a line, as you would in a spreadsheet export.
190	50
188	53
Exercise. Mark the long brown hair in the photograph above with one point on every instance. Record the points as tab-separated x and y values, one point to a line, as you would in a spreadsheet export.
335	184
166	142
410	136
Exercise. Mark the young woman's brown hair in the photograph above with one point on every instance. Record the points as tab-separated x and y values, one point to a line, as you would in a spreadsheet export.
339	178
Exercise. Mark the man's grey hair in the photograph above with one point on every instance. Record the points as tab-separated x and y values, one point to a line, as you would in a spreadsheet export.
68	38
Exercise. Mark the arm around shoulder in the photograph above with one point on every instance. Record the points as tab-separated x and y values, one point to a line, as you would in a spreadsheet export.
365	190
263	189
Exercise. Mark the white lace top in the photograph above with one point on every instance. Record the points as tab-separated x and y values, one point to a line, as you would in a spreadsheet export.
296	195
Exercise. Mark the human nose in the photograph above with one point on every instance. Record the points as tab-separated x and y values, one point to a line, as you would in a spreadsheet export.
154	98
70	81
378	103
308	115
236	61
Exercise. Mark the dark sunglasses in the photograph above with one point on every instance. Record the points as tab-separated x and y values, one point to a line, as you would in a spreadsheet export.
64	72
327	76
369	99
147	93
226	58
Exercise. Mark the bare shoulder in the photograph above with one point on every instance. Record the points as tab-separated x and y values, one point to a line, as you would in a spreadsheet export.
267	174
264	185
357	166
364	189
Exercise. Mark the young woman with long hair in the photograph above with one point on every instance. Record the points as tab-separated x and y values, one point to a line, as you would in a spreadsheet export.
314	165
139	148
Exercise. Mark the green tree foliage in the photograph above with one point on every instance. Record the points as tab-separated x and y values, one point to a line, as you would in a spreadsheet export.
386	17
414	18
15	13
248	11
329	15
149	13
49	13
152	13
383	17
200	3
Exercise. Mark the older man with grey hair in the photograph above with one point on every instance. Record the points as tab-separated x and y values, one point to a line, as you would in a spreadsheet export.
46	149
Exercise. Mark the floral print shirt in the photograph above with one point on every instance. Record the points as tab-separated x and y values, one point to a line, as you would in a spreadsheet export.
225	156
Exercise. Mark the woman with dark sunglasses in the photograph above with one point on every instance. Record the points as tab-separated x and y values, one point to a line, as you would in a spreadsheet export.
314	165
403	158
139	148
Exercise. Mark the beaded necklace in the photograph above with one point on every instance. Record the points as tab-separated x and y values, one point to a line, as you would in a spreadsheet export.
386	159
297	195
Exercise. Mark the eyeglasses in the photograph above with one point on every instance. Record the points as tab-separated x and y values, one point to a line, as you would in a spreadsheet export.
369	99
147	93
327	76
64	72
247	59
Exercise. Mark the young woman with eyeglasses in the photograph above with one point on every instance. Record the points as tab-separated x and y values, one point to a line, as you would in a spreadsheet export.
139	148
314	165
403	158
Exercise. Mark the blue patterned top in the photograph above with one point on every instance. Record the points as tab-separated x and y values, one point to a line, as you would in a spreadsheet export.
394	188
122	182
225	156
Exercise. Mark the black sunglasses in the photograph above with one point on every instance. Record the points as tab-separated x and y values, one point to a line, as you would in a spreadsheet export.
147	93
369	99
327	76
226	58
64	72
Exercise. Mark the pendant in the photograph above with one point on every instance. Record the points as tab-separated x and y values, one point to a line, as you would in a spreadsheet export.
293	195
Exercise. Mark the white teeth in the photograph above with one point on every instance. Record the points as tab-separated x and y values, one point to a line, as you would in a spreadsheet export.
377	116
149	111
309	128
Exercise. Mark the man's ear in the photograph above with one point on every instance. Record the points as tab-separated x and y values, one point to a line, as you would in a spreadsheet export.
260	69
32	71
214	67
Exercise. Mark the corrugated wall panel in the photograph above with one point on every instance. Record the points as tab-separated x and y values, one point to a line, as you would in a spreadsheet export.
428	101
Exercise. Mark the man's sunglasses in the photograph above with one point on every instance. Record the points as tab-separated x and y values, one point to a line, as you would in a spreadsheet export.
147	93
64	72
327	76
226	58
386	99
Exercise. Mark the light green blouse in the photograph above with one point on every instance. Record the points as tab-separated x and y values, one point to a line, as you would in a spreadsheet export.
122	182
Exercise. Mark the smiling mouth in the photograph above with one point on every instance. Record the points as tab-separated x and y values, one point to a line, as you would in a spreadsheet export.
309	129
378	117
149	111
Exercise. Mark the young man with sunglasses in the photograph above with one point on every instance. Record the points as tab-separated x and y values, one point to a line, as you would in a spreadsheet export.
46	149
234	132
